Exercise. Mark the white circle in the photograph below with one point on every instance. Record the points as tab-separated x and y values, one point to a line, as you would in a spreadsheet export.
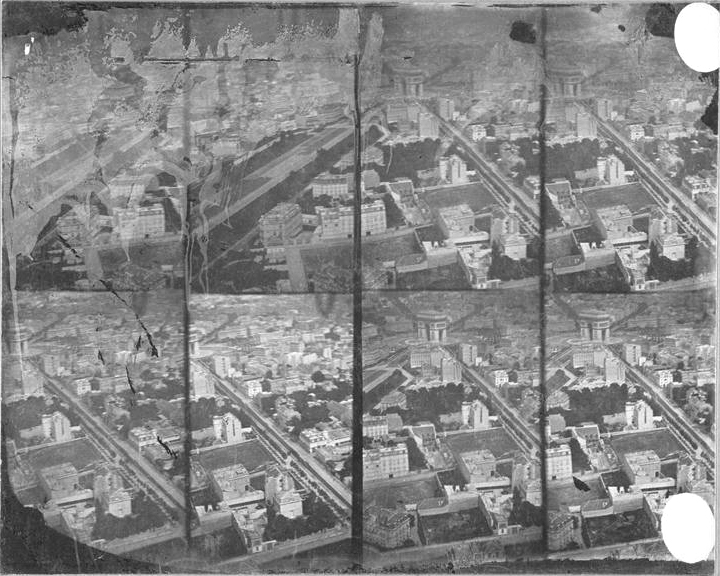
697	36
688	527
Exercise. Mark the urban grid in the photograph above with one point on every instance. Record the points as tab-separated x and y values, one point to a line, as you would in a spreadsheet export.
323	288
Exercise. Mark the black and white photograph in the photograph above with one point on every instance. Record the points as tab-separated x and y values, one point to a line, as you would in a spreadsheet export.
370	287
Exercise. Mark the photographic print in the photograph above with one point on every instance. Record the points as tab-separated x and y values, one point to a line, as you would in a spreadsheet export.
327	287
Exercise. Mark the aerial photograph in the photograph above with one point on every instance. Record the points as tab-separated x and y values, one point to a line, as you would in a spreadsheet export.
101	432
630	418
93	404
343	287
451	429
450	158
631	161
217	120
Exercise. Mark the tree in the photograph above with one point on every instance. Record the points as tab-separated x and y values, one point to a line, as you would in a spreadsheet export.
580	460
317	376
416	458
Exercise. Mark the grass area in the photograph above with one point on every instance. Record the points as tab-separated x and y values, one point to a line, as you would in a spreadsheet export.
383	249
563	494
449	277
397	493
453	526
634	196
80	453
626	527
251	454
497	440
660	440
474	195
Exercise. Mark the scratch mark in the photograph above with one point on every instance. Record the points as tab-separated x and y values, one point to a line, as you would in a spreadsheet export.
169	450
100	356
130	382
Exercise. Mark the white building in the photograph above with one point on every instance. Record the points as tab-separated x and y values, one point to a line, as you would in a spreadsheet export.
228	428
139	222
338	221
558	463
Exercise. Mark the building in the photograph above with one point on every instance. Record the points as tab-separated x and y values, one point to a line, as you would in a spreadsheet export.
663	377
479	467
431	326
632	354
428	126
450	370
56	427
406	79
478	132
386	528
375	426
280	224
468	354
456	221
108	489
560	193
671	246
338	221
585	126
385	462
611	170
604	108
288	504
201	385
452	169
446	108
641	467
139	222
231	483
558	463
59	481
475	415
228	429
281	494
500	378
635	132
594	325
336	186
426	355
589	355
614	371
639	415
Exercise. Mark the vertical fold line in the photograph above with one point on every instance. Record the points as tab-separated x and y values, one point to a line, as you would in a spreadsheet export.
542	150
357	464
187	269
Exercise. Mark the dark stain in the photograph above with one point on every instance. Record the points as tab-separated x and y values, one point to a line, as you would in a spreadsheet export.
130	382
261	60
710	116
109	287
169	450
138	344
22	18
660	20
621	28
69	247
523	32
597	8
100	357
580	485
